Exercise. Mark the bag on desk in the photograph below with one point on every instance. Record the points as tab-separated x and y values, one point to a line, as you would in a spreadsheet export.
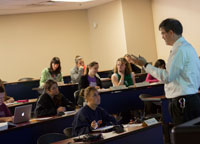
118	128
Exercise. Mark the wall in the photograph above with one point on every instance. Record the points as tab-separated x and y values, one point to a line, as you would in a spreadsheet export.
187	12
107	40
29	41
139	28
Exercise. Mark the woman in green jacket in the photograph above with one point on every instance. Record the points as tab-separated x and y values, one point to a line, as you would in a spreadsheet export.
53	72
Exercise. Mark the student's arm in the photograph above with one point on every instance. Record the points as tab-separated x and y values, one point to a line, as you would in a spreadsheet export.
8	99
61	78
5	119
133	77
67	104
108	119
115	81
81	125
99	83
75	76
43	77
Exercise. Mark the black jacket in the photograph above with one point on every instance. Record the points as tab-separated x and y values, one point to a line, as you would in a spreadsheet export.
46	106
84	83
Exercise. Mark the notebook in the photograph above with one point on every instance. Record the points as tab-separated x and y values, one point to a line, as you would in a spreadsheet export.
22	114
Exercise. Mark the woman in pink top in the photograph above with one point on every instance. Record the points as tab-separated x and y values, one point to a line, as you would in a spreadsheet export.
159	64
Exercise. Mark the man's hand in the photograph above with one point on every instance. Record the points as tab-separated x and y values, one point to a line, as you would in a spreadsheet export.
141	61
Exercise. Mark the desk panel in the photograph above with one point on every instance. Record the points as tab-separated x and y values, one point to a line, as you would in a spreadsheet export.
22	90
28	133
128	99
142	135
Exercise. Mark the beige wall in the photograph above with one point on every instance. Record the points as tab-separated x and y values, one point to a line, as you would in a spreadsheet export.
107	40
139	30
29	41
187	12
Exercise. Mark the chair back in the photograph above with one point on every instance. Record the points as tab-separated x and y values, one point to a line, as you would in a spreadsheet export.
68	132
25	79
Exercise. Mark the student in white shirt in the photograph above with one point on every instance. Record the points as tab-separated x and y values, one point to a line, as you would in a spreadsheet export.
182	74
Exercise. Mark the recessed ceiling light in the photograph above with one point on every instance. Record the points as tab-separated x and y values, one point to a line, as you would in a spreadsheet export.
71	0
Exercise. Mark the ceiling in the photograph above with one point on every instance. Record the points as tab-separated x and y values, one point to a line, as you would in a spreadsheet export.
33	6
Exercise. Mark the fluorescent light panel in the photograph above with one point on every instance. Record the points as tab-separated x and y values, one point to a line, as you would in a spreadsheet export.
71	0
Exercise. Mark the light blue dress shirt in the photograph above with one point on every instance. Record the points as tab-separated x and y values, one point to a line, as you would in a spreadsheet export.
182	74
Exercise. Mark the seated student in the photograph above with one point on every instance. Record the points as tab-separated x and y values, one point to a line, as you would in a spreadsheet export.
52	101
122	73
90	78
7	99
91	116
78	70
53	72
130	60
159	64
5	114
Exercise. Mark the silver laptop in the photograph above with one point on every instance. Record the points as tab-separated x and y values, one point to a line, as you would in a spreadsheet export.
22	113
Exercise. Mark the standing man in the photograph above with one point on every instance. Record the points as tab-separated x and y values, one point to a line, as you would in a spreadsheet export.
182	74
78	70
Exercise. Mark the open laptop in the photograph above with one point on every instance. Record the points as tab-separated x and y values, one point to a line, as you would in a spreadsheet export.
22	114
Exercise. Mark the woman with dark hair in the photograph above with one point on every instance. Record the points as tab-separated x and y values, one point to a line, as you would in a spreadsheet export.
53	72
123	74
160	63
90	78
52	101
91	116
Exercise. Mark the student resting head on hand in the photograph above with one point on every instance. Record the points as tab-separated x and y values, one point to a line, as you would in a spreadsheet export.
122	73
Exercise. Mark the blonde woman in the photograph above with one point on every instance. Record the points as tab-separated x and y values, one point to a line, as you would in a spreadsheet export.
123	74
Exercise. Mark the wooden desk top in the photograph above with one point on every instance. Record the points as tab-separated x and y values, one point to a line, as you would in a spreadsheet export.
36	121
130	87
30	101
108	136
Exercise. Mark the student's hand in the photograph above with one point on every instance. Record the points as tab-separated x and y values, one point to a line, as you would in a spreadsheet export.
121	74
97	87
6	119
61	109
10	100
81	67
100	122
94	124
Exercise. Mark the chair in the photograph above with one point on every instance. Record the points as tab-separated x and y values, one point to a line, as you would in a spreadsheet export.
68	132
25	79
150	106
76	96
50	138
